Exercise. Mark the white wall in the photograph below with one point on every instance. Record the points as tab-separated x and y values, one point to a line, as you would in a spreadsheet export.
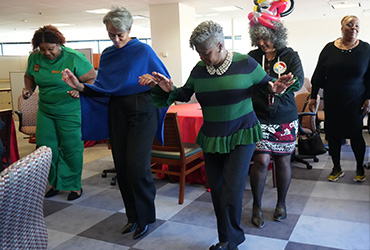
12	63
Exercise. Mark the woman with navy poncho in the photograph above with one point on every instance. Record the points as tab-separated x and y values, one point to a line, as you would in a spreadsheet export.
132	118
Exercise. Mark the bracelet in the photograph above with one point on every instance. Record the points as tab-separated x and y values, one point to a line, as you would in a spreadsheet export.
277	94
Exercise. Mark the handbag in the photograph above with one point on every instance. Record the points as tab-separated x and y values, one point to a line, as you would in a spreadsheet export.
310	144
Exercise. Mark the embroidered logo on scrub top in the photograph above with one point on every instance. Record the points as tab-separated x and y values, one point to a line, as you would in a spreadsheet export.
280	67
55	71
36	68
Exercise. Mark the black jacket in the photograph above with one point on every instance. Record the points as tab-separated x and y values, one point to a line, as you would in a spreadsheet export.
284	109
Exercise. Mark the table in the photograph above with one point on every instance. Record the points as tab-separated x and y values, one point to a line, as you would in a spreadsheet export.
190	121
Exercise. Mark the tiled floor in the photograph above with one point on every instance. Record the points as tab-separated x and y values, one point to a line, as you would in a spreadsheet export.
321	215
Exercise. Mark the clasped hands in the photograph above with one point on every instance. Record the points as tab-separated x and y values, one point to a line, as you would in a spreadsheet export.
157	78
72	81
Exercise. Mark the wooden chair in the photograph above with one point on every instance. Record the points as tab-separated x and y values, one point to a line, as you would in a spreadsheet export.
182	158
5	134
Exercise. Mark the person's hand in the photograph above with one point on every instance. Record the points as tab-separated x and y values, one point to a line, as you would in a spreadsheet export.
147	79
26	93
71	80
74	94
281	84
312	105
366	107
157	78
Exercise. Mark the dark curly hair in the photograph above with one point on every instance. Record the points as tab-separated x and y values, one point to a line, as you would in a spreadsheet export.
47	34
278	36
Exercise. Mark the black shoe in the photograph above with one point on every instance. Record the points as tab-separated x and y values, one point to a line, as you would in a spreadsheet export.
220	246
257	218
280	213
74	195
140	232
52	192
129	227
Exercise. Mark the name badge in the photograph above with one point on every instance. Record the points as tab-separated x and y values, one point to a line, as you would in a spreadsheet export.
36	68
55	71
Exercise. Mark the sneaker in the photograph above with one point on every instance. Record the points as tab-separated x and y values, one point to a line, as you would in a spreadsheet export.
359	178
335	175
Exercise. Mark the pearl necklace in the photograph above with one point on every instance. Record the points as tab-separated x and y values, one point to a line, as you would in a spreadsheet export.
343	46
223	67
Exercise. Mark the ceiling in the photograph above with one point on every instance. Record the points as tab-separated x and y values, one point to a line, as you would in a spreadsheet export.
20	18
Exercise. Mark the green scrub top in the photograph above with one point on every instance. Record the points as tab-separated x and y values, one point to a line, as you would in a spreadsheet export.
53	97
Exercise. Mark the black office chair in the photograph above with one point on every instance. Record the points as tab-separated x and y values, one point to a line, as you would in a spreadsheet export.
110	170
307	125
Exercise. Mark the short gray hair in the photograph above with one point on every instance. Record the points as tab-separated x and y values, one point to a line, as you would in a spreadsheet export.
120	18
278	36
207	33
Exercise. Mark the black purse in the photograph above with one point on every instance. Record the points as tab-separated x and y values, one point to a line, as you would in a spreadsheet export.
311	144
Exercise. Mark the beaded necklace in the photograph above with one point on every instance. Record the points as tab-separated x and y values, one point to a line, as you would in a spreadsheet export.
343	46
223	67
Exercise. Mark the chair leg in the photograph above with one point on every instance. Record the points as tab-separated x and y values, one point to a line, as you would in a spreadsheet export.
298	159
182	185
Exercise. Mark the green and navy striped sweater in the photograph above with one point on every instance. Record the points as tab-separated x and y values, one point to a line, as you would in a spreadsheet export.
228	116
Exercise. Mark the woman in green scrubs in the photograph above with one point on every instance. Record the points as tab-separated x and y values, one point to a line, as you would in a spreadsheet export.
59	114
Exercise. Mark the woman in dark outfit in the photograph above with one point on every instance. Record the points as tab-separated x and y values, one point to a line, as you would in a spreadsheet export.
343	71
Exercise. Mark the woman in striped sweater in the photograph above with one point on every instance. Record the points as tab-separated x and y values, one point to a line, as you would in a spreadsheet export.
222	82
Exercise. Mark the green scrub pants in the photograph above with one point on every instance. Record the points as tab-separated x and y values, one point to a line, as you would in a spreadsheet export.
62	133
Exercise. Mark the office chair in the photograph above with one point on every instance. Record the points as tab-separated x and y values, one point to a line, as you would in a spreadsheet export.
307	125
27	113
182	158
110	170
22	190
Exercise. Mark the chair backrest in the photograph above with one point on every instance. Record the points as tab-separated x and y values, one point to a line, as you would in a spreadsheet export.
5	132
28	109
302	101
172	136
22	189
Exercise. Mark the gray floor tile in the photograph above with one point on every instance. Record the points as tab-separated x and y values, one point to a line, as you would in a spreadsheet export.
197	213
342	191
75	219
174	235
331	233
295	246
357	211
80	243
109	230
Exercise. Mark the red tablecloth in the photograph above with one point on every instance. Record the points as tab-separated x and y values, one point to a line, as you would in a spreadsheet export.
14	153
190	120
